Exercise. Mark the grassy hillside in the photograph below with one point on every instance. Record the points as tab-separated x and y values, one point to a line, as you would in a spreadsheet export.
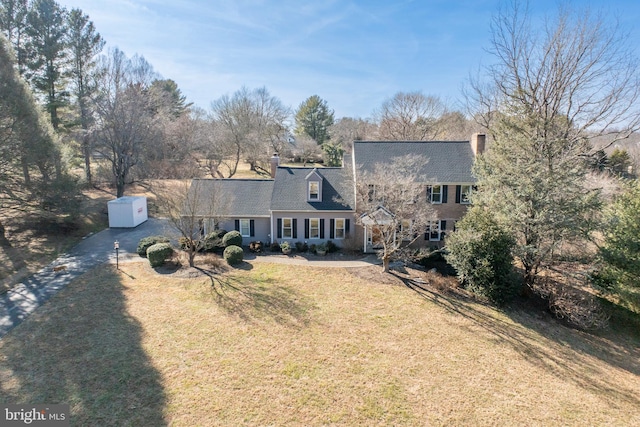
275	345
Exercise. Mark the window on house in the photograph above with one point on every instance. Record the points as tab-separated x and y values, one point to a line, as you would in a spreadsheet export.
287	228
314	228
371	192
436	194
339	228
465	194
433	230
405	228
314	190
245	228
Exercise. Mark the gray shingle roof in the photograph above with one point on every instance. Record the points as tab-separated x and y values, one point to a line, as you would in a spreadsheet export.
448	161
242	197
290	190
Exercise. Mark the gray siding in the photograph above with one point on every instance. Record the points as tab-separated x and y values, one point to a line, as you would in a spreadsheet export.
300	218
261	229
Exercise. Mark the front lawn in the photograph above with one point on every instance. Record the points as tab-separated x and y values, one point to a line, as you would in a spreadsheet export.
272	344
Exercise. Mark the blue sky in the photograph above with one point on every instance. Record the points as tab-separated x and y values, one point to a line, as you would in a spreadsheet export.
353	54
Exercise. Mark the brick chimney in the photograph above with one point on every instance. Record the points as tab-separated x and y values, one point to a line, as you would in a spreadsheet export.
477	143
275	162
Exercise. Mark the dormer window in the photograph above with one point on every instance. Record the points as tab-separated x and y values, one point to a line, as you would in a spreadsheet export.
314	186
314	190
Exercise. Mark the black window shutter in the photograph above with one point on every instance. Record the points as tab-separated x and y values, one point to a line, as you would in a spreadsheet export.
332	225
443	225
322	228
252	228
458	193
445	191
237	222
428	193
306	228
347	227
295	228
279	228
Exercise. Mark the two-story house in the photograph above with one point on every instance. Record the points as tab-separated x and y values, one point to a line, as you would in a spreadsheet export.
318	204
445	176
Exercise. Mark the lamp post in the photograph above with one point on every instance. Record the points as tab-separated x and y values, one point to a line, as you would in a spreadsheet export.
116	246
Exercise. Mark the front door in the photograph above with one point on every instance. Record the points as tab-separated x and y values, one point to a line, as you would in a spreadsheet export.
374	238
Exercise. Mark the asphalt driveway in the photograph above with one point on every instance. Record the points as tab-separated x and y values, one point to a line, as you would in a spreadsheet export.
26	297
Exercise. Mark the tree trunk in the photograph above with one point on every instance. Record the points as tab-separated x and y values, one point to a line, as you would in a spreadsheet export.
3	237
120	186
192	254
385	264
86	149
25	172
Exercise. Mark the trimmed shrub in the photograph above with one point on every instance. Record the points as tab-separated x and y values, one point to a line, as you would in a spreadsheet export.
233	254
481	252
302	247
158	253
255	246
146	242
213	241
332	247
232	238
275	247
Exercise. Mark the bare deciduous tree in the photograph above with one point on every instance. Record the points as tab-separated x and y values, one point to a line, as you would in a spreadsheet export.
250	125
410	116
346	130
188	205
577	76
306	149
390	203
124	119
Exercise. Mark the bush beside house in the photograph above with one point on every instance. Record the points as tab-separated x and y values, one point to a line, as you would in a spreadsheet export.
233	254
481	252
158	253
232	238
149	241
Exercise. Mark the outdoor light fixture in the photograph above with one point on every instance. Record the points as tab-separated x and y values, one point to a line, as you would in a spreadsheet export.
116	246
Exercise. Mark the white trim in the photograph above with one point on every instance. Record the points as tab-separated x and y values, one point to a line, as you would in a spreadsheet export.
440	193
317	236
343	228
462	193
248	224
431	239
309	198
290	228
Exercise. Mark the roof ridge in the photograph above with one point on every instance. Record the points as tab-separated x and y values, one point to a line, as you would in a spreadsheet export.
233	179
411	142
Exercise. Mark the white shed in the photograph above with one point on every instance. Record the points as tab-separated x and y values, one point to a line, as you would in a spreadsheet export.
127	211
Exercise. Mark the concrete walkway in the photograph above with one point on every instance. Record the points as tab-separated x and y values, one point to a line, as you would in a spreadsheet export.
23	299
312	261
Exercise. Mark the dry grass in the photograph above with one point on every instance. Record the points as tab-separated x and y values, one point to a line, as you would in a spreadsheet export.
34	241
268	344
